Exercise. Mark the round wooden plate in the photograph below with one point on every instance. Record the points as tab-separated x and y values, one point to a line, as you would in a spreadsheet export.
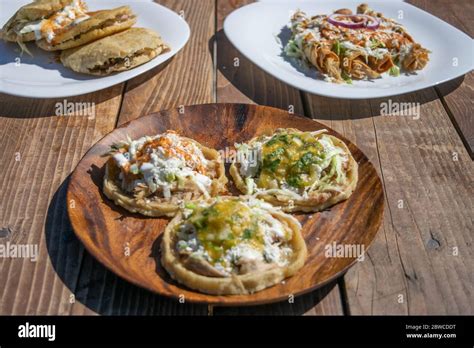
129	244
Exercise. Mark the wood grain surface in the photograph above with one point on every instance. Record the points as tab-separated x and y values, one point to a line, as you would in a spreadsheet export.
107	230
419	236
456	95
186	79
426	167
40	150
383	284
240	81
423	165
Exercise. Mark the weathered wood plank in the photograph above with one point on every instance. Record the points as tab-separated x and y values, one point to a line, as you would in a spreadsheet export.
187	79
458	98
40	149
456	13
325	301
457	95
410	268
424	166
240	81
422	162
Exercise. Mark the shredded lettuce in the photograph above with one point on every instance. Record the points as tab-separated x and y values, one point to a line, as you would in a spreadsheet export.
335	170
292	49
394	71
24	48
190	205
346	77
339	48
374	43
250	183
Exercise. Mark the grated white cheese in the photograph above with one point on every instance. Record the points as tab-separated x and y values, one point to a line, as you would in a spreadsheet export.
245	255
69	15
165	170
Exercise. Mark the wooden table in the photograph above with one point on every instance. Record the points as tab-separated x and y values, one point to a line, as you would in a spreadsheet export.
420	263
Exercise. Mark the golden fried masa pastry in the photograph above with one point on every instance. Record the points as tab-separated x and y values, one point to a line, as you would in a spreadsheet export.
157	175
118	52
231	245
43	19
99	24
298	171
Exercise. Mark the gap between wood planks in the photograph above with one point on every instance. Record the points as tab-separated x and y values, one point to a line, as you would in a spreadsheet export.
399	257
29	187
126	292
456	95
266	90
188	78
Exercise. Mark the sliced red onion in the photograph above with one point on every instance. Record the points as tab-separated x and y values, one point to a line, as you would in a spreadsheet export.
366	21
372	22
350	25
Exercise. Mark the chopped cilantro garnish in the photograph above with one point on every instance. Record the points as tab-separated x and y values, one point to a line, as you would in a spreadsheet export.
306	159
247	233
294	181
277	152
282	138
271	165
200	223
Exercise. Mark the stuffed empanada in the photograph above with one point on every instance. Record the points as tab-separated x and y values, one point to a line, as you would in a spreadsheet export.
43	19
298	171
231	245
118	52
157	175
98	25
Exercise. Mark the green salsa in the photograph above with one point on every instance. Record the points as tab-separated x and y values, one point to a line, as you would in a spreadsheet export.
291	158
223	225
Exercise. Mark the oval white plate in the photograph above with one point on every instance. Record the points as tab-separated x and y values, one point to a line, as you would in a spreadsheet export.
42	77
259	31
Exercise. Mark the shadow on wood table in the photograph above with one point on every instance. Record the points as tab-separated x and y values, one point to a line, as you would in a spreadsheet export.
306	304
102	292
19	107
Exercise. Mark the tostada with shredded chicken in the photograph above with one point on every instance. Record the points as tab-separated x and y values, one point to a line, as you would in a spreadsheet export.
230	246
156	175
296	170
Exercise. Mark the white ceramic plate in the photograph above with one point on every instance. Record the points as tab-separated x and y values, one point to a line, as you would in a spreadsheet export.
259	31
43	77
